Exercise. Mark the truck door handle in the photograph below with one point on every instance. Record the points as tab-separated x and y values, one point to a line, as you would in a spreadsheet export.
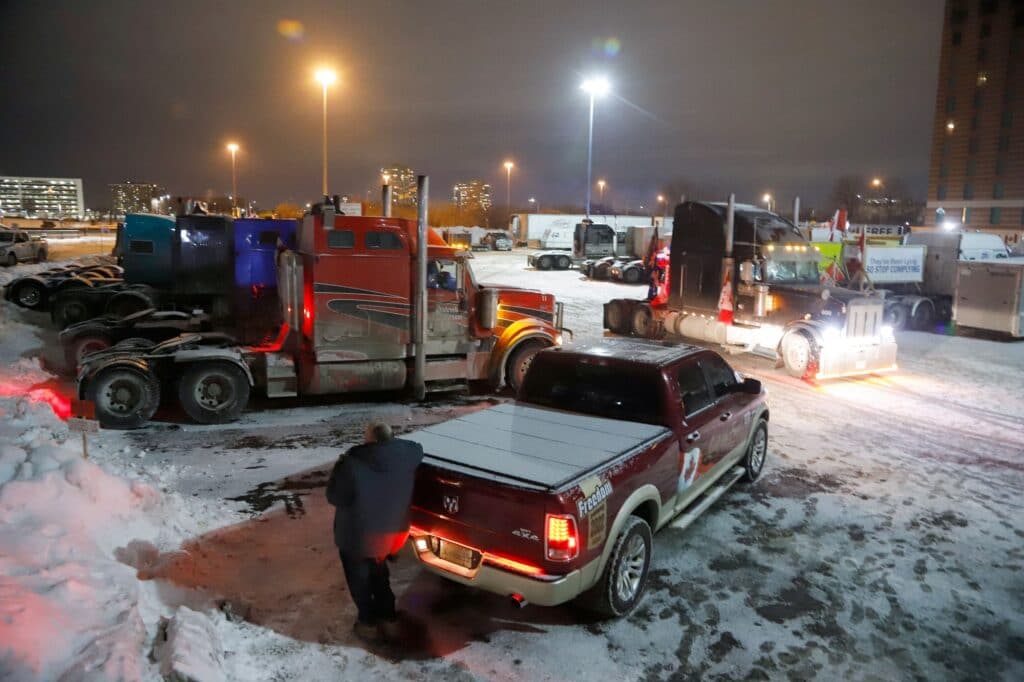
725	416
693	437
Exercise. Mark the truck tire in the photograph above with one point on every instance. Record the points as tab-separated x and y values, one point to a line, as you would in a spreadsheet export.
798	354
896	316
128	303
214	392
619	319
519	363
85	344
564	263
631	276
125	398
30	294
625	576
643	322
923	316
544	263
12	260
67	310
753	461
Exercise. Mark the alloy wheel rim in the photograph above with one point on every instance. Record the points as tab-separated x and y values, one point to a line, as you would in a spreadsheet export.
759	450
214	392
631	569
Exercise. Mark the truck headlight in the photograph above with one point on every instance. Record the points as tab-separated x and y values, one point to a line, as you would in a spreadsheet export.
885	331
830	334
558	339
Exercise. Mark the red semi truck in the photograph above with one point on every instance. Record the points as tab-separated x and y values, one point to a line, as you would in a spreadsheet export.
558	494
365	309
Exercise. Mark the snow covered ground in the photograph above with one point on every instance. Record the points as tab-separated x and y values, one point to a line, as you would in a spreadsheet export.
883	541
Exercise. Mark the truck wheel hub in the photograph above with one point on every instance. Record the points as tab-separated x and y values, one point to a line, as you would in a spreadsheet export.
29	296
121	397
757	454
213	393
632	569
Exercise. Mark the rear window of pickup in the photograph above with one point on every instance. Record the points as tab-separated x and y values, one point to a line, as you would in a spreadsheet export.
566	383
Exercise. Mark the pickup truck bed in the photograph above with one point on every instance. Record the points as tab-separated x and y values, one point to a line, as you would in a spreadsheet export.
534	447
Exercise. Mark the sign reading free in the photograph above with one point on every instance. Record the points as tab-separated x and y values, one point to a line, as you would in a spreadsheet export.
893	264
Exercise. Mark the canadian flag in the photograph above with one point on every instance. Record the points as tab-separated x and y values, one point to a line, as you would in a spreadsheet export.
839	223
725	300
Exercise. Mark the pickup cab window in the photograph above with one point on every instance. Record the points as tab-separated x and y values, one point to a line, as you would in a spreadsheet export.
721	377
596	390
693	389
6	237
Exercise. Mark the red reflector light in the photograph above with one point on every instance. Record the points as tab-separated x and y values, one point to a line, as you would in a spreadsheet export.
561	539
512	564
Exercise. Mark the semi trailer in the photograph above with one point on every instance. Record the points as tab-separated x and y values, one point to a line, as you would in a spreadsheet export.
368	304
747	279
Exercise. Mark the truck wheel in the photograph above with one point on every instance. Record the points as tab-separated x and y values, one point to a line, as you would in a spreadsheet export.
896	316
519	363
753	461
797	354
564	263
618	318
128	303
125	398
631	276
30	294
214	392
68	310
12	260
923	316
83	345
625	577
544	263
643	322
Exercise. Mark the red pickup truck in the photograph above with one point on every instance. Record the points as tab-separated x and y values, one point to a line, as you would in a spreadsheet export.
558	494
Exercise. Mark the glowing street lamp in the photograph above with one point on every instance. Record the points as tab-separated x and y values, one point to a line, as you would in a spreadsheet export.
595	87
536	204
325	77
664	205
386	177
600	189
767	199
876	182
233	148
508	185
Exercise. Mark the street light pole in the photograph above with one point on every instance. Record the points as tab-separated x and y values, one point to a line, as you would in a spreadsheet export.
593	87
508	186
233	148
325	77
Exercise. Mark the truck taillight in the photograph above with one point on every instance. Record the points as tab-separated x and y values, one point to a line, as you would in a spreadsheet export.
561	539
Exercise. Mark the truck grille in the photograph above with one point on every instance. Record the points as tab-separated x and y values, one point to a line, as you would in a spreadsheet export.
864	318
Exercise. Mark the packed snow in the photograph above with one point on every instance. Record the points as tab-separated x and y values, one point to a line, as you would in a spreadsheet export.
883	541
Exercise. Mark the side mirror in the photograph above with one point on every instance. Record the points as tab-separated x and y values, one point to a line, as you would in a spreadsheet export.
749	386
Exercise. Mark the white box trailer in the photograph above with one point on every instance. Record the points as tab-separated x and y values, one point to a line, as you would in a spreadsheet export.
990	296
555	231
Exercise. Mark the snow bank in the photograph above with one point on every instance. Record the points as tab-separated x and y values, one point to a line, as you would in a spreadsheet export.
69	608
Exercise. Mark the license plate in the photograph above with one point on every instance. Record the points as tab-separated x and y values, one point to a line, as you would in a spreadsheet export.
457	554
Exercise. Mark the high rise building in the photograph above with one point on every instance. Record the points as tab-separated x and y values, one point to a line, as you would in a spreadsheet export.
472	196
42	197
403	184
134	197
976	178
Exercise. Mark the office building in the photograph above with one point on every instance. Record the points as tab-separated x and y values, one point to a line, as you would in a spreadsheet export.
42	197
134	197
473	196
403	184
976	177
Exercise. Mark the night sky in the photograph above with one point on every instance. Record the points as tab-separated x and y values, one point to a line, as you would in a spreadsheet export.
747	96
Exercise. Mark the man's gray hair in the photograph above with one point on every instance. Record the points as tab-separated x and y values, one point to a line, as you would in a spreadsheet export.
381	431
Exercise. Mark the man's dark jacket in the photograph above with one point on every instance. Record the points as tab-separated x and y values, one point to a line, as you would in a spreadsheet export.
371	489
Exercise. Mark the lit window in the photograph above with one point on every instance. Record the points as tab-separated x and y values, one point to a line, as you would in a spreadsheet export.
950	125
982	78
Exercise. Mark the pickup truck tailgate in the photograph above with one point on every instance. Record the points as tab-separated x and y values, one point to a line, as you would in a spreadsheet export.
490	477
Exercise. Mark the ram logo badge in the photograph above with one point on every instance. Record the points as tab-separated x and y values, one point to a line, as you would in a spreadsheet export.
450	504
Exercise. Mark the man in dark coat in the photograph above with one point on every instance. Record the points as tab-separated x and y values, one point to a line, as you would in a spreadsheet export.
371	489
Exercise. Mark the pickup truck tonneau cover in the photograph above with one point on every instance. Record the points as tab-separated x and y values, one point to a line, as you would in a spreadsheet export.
531	445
